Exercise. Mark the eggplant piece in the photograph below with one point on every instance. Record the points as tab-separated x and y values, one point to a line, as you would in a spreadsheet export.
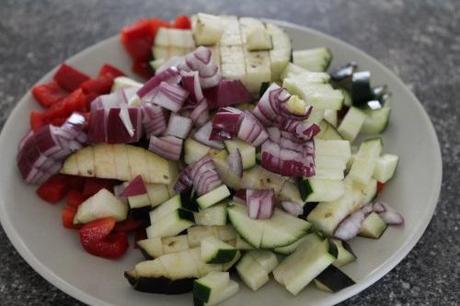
188	200
161	284
333	279
263	88
307	208
342	73
361	91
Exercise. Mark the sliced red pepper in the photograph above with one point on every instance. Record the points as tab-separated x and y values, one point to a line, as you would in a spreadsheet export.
75	102
98	239
129	225
182	22
143	69
69	78
48	94
54	189
37	120
109	70
68	214
93	185
75	198
100	85
380	187
138	39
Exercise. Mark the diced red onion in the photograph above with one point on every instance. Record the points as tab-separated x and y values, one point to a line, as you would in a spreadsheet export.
184	180
232	92
226	123
169	147
117	190
388	214
235	163
349	227
170	75
170	96
292	208
240	196
251	130
154	119
172	62
42	152
134	188
203	135
179	126
260	203
191	83
204	175
200	61
200	113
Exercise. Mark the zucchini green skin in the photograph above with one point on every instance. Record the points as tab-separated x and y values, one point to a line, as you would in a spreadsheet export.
161	285
223	256
334	279
304	188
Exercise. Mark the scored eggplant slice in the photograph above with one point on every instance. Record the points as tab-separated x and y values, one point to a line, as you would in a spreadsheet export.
342	73
361	91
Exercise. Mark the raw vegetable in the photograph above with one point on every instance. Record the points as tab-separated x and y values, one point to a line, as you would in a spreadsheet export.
101	205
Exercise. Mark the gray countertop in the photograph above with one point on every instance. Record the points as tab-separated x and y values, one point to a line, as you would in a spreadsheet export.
417	40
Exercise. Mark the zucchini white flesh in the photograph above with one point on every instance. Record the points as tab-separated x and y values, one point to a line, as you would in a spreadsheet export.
157	246
101	205
194	151
157	193
373	226
328	132
333	280
213	197
215	215
247	151
281	229
118	161
345	254
311	258
251	272
295	78
369	192
197	233
347	97
281	52
203	268
124	82
290	248
376	120
216	251
316	116
207	29
365	160
242	244
230	290
320	190
260	178
291	193
210	287
171	224
139	201
385	167
157	63
292	70
331	157
351	124
225	173
319	95
258	39
326	216
317	59
331	117
174	203
265	258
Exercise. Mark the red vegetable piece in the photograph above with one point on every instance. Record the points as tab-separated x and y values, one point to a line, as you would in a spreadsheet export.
135	187
48	94
182	22
54	189
138	39
75	102
68	214
69	78
111	71
99	86
37	120
129	225
93	185
75	198
98	239
143	69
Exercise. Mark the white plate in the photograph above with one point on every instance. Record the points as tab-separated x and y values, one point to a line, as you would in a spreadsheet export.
35	227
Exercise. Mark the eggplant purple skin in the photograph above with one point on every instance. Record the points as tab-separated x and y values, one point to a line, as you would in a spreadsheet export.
160	285
334	279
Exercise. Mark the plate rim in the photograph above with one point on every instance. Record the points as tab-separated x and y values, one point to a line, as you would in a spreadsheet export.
390	263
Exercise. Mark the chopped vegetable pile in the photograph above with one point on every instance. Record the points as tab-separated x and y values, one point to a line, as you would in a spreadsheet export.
229	154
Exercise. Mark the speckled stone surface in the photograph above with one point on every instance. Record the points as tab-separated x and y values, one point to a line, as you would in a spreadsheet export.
418	40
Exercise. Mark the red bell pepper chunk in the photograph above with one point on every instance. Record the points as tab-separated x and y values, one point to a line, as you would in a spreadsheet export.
99	86
48	94
182	22
54	189
75	198
143	69
37	120
75	102
69	78
68	214
93	185
98	239
109	70
138	39
129	225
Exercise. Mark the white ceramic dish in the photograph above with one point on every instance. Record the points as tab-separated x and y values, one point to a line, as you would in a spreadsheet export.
35	228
